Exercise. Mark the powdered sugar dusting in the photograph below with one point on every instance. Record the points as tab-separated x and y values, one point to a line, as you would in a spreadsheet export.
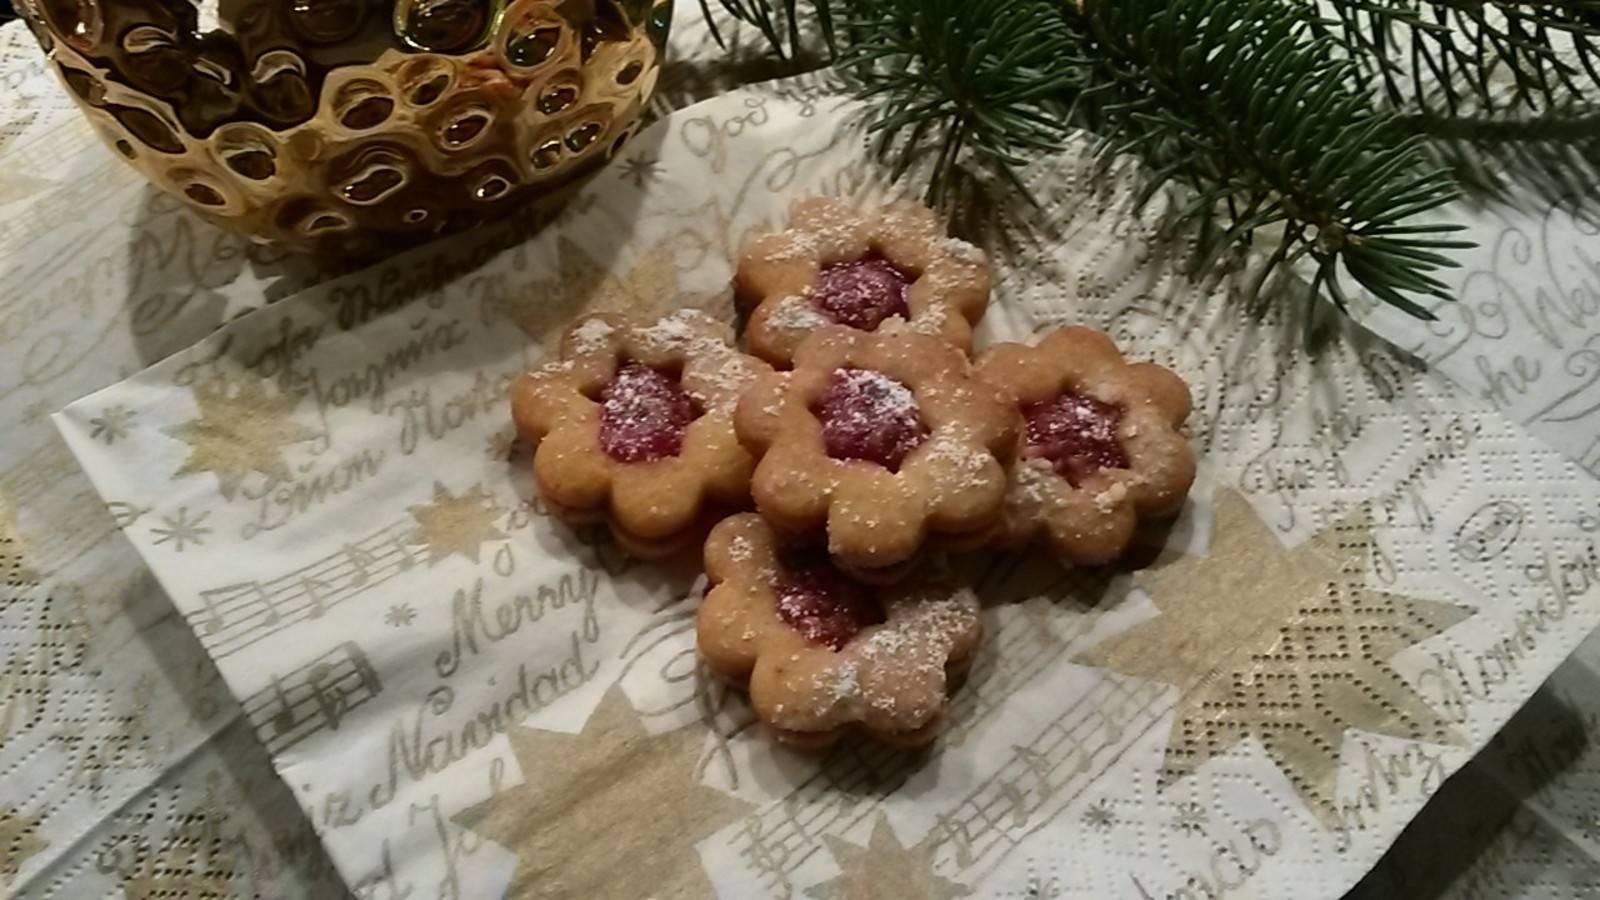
861	293
716	376
682	330
1078	433
869	416
931	319
591	336
962	252
840	683
794	312
1032	481
1107	500
643	415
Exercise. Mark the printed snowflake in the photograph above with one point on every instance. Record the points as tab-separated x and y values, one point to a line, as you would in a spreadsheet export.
504	444
1190	818
400	615
640	169
112	423
1099	816
180	530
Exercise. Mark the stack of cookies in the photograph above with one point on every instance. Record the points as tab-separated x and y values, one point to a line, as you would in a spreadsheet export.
869	443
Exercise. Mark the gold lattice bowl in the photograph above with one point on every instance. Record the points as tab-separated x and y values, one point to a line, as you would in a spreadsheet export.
353	125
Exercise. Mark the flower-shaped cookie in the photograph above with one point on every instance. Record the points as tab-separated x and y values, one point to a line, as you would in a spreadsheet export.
1102	448
884	438
839	265
820	652
634	424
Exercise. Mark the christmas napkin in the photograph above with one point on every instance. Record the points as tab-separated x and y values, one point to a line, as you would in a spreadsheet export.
470	700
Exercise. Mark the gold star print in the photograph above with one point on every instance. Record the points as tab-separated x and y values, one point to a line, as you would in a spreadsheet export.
885	870
584	285
459	525
611	812
242	429
19	840
1286	646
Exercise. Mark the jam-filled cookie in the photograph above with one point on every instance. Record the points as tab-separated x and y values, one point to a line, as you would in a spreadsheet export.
883	439
820	652
634	425
839	265
1102	445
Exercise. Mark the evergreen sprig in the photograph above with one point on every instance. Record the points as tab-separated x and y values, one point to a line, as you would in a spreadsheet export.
952	76
1247	105
1252	110
1454	53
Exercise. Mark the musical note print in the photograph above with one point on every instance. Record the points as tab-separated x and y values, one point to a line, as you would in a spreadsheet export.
234	616
1039	781
313	697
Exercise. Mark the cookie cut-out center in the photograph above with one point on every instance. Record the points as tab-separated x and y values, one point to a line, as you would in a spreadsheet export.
644	413
868	415
862	293
1077	434
823	604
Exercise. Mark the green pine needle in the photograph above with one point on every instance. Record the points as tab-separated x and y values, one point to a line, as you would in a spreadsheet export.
1256	115
1457	53
959	76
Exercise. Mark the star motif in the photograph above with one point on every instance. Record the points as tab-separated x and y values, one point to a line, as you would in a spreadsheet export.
180	530
885	870
1286	646
584	285
241	429
1099	816
459	525
639	169
112	423
1190	818
503	444
19	840
35	412
583	791
400	615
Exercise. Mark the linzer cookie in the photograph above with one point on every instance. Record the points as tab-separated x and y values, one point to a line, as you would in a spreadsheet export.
838	265
821	653
1103	447
883	439
634	425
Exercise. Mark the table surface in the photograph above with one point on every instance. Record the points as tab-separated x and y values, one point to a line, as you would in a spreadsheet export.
116	730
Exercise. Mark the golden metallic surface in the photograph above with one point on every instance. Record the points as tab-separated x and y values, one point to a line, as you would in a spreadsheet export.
357	126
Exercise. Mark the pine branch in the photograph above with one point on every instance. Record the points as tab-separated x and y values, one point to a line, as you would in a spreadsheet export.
1458	52
1250	101
953	77
780	22
1250	109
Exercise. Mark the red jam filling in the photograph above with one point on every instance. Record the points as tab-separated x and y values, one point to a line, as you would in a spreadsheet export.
1077	433
870	416
824	605
644	413
861	294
